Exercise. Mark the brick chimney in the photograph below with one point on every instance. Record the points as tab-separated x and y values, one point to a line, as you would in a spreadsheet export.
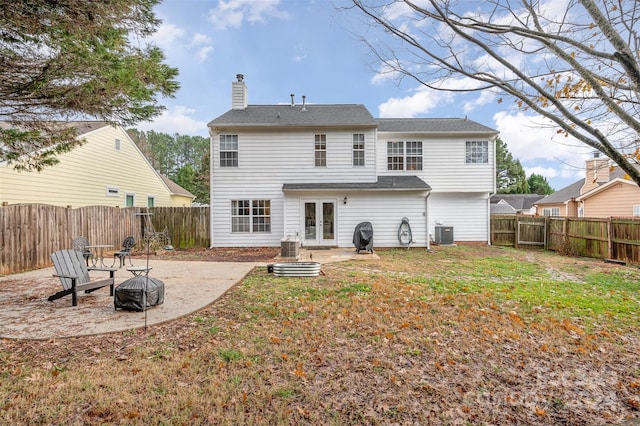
239	93
597	172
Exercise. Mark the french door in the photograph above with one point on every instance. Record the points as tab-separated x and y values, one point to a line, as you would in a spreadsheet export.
319	223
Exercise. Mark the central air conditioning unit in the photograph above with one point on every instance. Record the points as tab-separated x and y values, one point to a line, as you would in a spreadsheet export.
444	235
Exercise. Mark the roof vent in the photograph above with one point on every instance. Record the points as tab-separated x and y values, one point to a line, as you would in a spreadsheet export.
304	99
292	101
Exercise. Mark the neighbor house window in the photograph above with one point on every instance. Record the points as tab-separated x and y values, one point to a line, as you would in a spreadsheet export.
228	150
151	201
250	216
477	152
358	149
130	200
113	191
321	150
117	144
553	211
636	209
404	155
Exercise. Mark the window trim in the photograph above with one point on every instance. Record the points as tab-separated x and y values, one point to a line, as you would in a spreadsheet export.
358	147
636	210
407	156
549	211
247	216
472	153
133	197
320	153
231	161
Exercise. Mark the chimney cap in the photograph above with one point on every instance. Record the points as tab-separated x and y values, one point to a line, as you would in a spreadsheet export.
240	77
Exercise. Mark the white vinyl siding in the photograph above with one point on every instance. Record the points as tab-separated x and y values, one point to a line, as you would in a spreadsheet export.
467	213
444	167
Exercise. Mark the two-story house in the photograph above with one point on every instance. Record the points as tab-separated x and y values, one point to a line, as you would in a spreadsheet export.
313	172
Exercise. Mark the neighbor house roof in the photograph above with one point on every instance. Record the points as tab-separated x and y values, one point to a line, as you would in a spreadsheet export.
384	183
502	207
518	201
297	115
432	125
562	195
174	188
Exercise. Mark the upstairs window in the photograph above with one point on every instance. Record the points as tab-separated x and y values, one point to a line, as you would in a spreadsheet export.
477	152
228	150
404	155
358	149
321	151
250	216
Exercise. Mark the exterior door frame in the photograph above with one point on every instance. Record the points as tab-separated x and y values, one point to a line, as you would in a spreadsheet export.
319	230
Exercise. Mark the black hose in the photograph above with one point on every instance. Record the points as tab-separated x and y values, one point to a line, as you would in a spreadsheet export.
405	237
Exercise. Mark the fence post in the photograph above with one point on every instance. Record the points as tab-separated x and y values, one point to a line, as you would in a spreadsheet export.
609	239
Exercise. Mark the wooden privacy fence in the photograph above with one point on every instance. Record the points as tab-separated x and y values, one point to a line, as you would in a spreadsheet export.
29	233
602	238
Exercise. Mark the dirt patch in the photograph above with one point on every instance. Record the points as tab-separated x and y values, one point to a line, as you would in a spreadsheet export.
219	254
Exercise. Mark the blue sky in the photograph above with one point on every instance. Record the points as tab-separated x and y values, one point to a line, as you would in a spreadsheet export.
311	48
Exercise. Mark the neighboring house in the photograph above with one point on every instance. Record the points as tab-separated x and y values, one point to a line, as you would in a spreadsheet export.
604	192
107	170
513	204
314	172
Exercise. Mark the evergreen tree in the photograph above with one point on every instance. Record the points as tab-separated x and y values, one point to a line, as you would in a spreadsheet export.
539	185
75	60
510	176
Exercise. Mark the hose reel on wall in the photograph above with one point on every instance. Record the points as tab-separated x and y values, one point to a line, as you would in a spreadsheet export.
405	236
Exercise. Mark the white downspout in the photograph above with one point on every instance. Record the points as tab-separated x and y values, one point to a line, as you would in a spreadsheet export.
426	214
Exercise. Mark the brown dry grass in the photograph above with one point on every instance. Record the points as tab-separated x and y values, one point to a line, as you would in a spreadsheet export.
460	336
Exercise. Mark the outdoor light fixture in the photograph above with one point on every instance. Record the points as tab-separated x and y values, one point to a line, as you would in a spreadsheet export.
344	201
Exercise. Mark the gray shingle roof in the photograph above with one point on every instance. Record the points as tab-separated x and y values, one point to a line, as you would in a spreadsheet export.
384	183
564	194
517	201
432	125
287	115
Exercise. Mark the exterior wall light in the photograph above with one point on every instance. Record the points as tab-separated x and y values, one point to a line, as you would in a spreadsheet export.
344	201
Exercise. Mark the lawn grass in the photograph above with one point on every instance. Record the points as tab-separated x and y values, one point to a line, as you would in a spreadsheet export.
461	335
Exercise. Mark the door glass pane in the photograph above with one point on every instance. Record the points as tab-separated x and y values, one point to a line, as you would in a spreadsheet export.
327	221
309	221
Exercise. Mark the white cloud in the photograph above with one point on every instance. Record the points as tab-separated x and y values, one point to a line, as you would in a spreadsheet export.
422	101
232	13
535	142
202	44
167	35
176	120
